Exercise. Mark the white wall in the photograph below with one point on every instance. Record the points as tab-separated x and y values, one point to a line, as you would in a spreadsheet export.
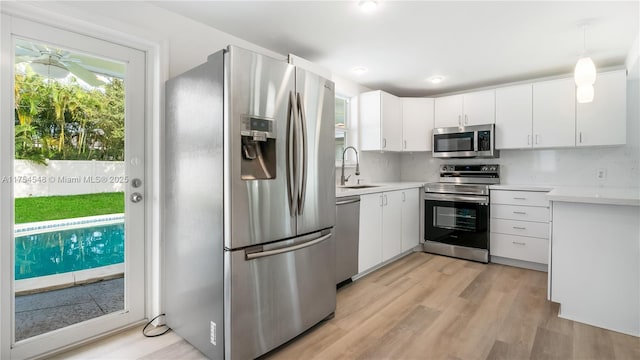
67	177
573	167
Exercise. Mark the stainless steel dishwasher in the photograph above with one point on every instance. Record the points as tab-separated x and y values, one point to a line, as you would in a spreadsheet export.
347	232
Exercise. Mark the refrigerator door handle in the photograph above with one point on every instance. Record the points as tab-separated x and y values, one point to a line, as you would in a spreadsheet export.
260	254
290	155
303	141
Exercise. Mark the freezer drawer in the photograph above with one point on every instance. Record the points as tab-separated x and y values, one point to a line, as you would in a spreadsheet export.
277	291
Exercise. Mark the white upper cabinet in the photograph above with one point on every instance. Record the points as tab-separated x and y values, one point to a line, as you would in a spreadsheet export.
554	113
479	108
448	111
417	124
604	120
514	117
380	121
476	108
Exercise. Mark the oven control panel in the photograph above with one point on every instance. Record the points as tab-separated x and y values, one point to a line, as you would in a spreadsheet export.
471	174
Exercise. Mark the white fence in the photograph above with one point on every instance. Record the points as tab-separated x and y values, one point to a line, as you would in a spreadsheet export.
67	177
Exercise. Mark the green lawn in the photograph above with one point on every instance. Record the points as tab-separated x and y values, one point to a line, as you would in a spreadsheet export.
63	207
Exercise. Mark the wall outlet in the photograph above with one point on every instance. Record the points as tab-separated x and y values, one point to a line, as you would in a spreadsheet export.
601	174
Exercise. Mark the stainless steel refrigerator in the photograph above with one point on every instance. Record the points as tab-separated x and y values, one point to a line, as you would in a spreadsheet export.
249	259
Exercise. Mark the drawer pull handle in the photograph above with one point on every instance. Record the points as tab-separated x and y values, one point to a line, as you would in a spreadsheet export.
520	212
520	228
519	198
519	243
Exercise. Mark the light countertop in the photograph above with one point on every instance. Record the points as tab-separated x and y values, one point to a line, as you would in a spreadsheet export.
596	195
521	187
379	187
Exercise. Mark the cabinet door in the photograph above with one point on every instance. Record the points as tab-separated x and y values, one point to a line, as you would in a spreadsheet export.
410	219
448	111
370	243
479	108
370	115
417	124
391	123
391	224
554	113
604	120
514	116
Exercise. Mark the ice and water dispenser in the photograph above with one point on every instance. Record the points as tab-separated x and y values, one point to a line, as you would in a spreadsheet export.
258	148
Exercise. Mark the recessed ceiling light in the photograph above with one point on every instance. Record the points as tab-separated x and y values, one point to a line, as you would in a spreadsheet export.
436	79
368	5
359	70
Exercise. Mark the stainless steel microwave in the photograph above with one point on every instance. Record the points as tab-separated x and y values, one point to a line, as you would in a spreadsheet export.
465	142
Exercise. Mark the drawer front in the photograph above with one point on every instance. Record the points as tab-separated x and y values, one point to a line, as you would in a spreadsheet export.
522	228
517	212
527	198
520	248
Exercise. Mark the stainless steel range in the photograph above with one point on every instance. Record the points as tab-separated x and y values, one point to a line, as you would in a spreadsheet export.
456	215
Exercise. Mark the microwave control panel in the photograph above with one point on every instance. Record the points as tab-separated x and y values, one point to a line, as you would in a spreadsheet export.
484	140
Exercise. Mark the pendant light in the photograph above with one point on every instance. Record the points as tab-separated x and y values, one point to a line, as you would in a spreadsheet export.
584	73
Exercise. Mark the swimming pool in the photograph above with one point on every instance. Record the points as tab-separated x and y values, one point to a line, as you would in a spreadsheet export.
60	246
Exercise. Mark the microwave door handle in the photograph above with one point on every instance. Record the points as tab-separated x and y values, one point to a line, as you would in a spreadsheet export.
475	141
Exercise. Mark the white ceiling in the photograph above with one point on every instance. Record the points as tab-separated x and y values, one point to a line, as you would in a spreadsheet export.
473	44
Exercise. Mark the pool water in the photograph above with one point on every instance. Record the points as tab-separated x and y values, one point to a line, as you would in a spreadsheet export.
60	251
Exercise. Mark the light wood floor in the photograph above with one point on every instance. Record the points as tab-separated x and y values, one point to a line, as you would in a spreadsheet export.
422	307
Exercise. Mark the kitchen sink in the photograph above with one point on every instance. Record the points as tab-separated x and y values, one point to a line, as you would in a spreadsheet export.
359	186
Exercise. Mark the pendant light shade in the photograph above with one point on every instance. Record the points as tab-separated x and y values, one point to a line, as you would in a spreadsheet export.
585	72
584	94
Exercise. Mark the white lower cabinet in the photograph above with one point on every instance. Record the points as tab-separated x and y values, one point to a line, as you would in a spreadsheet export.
370	242
519	227
410	219
389	225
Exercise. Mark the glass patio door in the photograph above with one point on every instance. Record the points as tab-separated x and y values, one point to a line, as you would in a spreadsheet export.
77	185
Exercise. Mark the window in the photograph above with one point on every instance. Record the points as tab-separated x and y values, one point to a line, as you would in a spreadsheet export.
341	126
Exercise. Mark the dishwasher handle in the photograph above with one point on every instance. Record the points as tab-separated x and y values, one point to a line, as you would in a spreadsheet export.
345	202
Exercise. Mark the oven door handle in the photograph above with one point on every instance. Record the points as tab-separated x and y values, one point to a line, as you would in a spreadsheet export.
482	200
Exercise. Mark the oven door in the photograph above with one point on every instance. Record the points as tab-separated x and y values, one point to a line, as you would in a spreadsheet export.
460	220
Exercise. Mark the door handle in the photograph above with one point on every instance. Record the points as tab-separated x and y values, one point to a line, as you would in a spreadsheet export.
405	144
404	196
290	155
537	139
520	212
136	197
384	143
519	227
282	250
580	137
381	200
460	120
303	141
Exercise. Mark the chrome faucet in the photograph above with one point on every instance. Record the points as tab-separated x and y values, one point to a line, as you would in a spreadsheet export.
343	180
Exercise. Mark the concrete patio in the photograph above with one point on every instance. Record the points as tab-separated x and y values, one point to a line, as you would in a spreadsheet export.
43	312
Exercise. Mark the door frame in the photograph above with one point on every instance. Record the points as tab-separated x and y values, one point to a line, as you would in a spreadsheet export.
156	72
